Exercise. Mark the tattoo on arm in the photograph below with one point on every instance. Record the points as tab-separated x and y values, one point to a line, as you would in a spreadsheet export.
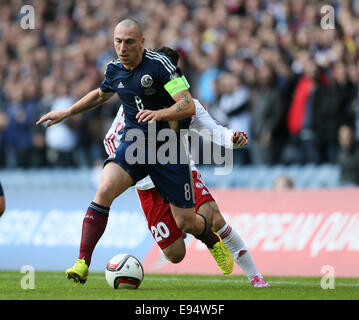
185	97
184	100
180	107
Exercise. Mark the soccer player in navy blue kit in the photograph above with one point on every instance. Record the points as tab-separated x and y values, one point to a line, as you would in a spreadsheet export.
151	89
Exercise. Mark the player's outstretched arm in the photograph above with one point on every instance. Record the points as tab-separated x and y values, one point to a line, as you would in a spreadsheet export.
205	125
93	99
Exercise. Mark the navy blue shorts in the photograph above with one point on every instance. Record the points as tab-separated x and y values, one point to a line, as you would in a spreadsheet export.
173	180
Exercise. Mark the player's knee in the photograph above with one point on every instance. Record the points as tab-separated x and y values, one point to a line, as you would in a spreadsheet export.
211	211
186	225
176	251
105	192
175	257
217	221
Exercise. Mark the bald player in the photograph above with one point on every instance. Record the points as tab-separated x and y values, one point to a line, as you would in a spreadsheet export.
152	90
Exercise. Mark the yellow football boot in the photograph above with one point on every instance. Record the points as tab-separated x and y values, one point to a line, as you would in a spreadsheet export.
78	272
222	256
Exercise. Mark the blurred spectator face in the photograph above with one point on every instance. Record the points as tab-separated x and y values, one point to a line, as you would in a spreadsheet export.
309	68
296	8
338	50
252	6
128	44
264	75
214	56
249	74
267	21
30	89
325	38
283	182
61	89
4	121
310	13
227	82
340	73
302	38
346	137
16	96
230	48
48	86
352	72
233	25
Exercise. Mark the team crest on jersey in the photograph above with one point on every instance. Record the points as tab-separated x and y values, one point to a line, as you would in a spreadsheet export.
146	81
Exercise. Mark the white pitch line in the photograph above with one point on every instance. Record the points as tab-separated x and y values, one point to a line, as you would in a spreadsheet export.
246	281
239	281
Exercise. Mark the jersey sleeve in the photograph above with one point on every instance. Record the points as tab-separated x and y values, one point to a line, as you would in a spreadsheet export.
107	84
167	71
113	136
204	125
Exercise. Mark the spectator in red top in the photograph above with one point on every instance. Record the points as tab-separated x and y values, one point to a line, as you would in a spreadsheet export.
301	147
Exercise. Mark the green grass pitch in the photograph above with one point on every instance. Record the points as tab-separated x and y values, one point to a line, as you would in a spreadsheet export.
55	286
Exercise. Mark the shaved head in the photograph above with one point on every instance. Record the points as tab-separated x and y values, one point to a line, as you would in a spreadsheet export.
130	23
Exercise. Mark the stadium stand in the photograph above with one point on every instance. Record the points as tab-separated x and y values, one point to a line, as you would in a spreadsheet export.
248	176
251	63
263	177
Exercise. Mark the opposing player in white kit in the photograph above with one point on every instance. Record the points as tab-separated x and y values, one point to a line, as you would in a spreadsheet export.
157	212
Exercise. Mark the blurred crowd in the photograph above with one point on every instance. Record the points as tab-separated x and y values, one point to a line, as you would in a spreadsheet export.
266	67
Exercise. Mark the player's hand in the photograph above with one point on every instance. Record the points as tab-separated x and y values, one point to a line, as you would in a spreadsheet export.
149	115
53	117
240	138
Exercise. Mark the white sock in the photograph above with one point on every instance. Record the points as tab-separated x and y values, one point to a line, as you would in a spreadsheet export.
239	251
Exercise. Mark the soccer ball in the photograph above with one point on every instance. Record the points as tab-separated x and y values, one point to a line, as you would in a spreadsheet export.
124	271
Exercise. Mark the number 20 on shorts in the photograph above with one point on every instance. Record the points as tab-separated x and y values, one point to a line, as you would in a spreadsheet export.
160	231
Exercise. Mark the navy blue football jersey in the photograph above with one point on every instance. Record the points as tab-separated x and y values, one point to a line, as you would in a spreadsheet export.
143	87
